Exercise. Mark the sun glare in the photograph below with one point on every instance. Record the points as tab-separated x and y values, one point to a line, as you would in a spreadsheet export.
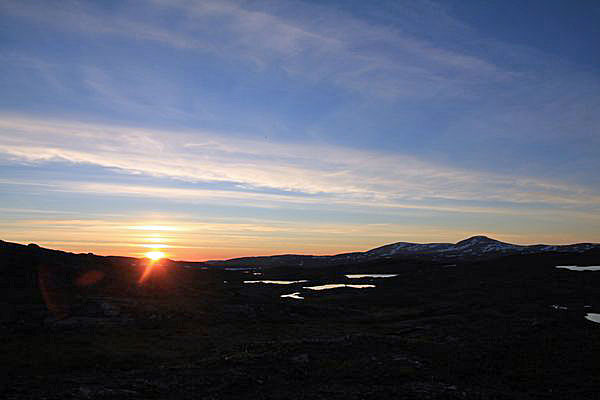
155	255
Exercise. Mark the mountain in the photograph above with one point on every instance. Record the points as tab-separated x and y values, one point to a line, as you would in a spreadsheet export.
471	249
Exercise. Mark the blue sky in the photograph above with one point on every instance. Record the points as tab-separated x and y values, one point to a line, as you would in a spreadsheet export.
216	129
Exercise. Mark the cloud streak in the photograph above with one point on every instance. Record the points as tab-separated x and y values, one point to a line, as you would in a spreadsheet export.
300	173
314	43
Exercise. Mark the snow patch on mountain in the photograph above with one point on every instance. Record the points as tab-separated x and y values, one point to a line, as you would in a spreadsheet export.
474	246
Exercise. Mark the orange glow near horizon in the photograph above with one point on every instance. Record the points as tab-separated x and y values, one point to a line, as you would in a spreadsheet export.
155	245
153	228
184	238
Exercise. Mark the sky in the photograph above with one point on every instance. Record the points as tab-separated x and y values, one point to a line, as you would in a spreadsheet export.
220	129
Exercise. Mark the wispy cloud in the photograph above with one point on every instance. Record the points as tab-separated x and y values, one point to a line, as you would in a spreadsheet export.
300	172
316	43
326	201
84	17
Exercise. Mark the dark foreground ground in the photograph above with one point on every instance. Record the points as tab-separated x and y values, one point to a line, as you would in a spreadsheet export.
86	329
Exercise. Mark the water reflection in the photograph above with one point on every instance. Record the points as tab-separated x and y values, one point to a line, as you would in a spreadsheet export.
578	268
295	295
337	285
593	317
240	268
359	276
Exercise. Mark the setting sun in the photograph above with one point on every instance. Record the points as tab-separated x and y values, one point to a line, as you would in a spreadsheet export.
155	255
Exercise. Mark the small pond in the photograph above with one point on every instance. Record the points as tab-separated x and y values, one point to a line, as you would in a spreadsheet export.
593	317
337	285
578	268
295	295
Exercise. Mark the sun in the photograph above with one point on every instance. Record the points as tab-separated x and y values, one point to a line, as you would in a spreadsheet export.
155	255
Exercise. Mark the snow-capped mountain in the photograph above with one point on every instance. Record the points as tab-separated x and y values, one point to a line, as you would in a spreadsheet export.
473	248
476	246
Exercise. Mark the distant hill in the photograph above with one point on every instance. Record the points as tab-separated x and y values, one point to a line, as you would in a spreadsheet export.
471	249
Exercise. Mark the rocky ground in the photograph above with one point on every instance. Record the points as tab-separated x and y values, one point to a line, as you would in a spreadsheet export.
510	328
